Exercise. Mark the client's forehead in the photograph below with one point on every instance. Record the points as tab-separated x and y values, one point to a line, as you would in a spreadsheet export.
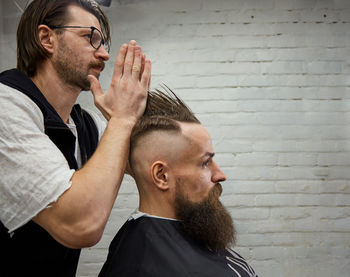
198	139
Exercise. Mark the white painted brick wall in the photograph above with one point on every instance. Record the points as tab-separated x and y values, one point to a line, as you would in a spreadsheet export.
270	81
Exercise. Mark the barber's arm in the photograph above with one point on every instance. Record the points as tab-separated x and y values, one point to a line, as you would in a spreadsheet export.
79	216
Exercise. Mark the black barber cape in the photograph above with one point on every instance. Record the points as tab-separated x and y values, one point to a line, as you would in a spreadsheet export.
156	247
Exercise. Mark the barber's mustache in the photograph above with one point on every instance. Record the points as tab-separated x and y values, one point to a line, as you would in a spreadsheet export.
99	64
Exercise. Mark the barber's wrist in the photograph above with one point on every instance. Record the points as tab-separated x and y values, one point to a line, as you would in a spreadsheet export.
126	122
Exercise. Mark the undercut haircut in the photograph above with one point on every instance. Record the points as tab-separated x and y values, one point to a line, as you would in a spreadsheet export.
164	111
30	52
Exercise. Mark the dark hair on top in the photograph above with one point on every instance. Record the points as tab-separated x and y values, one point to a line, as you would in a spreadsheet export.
163	111
30	52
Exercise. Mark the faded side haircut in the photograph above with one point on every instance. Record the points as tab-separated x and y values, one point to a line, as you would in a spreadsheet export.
164	111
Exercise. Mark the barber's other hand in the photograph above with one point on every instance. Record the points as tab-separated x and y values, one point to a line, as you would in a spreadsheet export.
127	95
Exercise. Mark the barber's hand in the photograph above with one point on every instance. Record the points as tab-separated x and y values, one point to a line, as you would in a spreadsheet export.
127	95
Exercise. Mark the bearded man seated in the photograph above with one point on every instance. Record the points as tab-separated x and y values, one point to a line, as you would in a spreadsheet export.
180	228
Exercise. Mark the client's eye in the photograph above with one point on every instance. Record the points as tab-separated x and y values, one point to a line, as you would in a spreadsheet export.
207	162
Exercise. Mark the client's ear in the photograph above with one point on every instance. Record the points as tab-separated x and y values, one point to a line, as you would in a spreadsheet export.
159	173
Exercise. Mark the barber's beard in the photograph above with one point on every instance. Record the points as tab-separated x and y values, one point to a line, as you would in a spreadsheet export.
71	70
207	221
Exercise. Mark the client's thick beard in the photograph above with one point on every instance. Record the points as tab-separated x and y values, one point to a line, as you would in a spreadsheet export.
207	221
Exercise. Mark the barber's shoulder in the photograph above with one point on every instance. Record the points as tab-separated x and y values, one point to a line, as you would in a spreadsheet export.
18	106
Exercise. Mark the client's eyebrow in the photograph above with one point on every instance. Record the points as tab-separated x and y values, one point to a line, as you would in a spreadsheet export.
209	154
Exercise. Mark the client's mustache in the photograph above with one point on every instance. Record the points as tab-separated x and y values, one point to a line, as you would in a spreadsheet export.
216	191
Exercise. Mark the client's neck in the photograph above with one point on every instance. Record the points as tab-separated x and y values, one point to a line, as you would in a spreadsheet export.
157	208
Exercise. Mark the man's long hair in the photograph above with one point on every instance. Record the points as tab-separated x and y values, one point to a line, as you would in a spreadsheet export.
30	52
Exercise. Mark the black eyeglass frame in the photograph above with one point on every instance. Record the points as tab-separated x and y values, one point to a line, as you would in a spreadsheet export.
102	41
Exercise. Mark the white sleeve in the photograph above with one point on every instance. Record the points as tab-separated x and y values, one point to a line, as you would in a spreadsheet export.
34	172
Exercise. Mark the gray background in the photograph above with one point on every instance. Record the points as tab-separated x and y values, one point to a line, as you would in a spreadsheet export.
270	81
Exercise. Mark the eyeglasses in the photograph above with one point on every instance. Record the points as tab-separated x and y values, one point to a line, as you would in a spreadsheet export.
96	37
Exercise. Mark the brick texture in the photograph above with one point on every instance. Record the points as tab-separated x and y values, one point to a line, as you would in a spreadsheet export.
270	81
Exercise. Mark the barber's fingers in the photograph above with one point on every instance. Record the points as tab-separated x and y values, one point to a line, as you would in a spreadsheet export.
98	94
149	80
95	86
143	58
129	59
119	63
136	68
146	75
